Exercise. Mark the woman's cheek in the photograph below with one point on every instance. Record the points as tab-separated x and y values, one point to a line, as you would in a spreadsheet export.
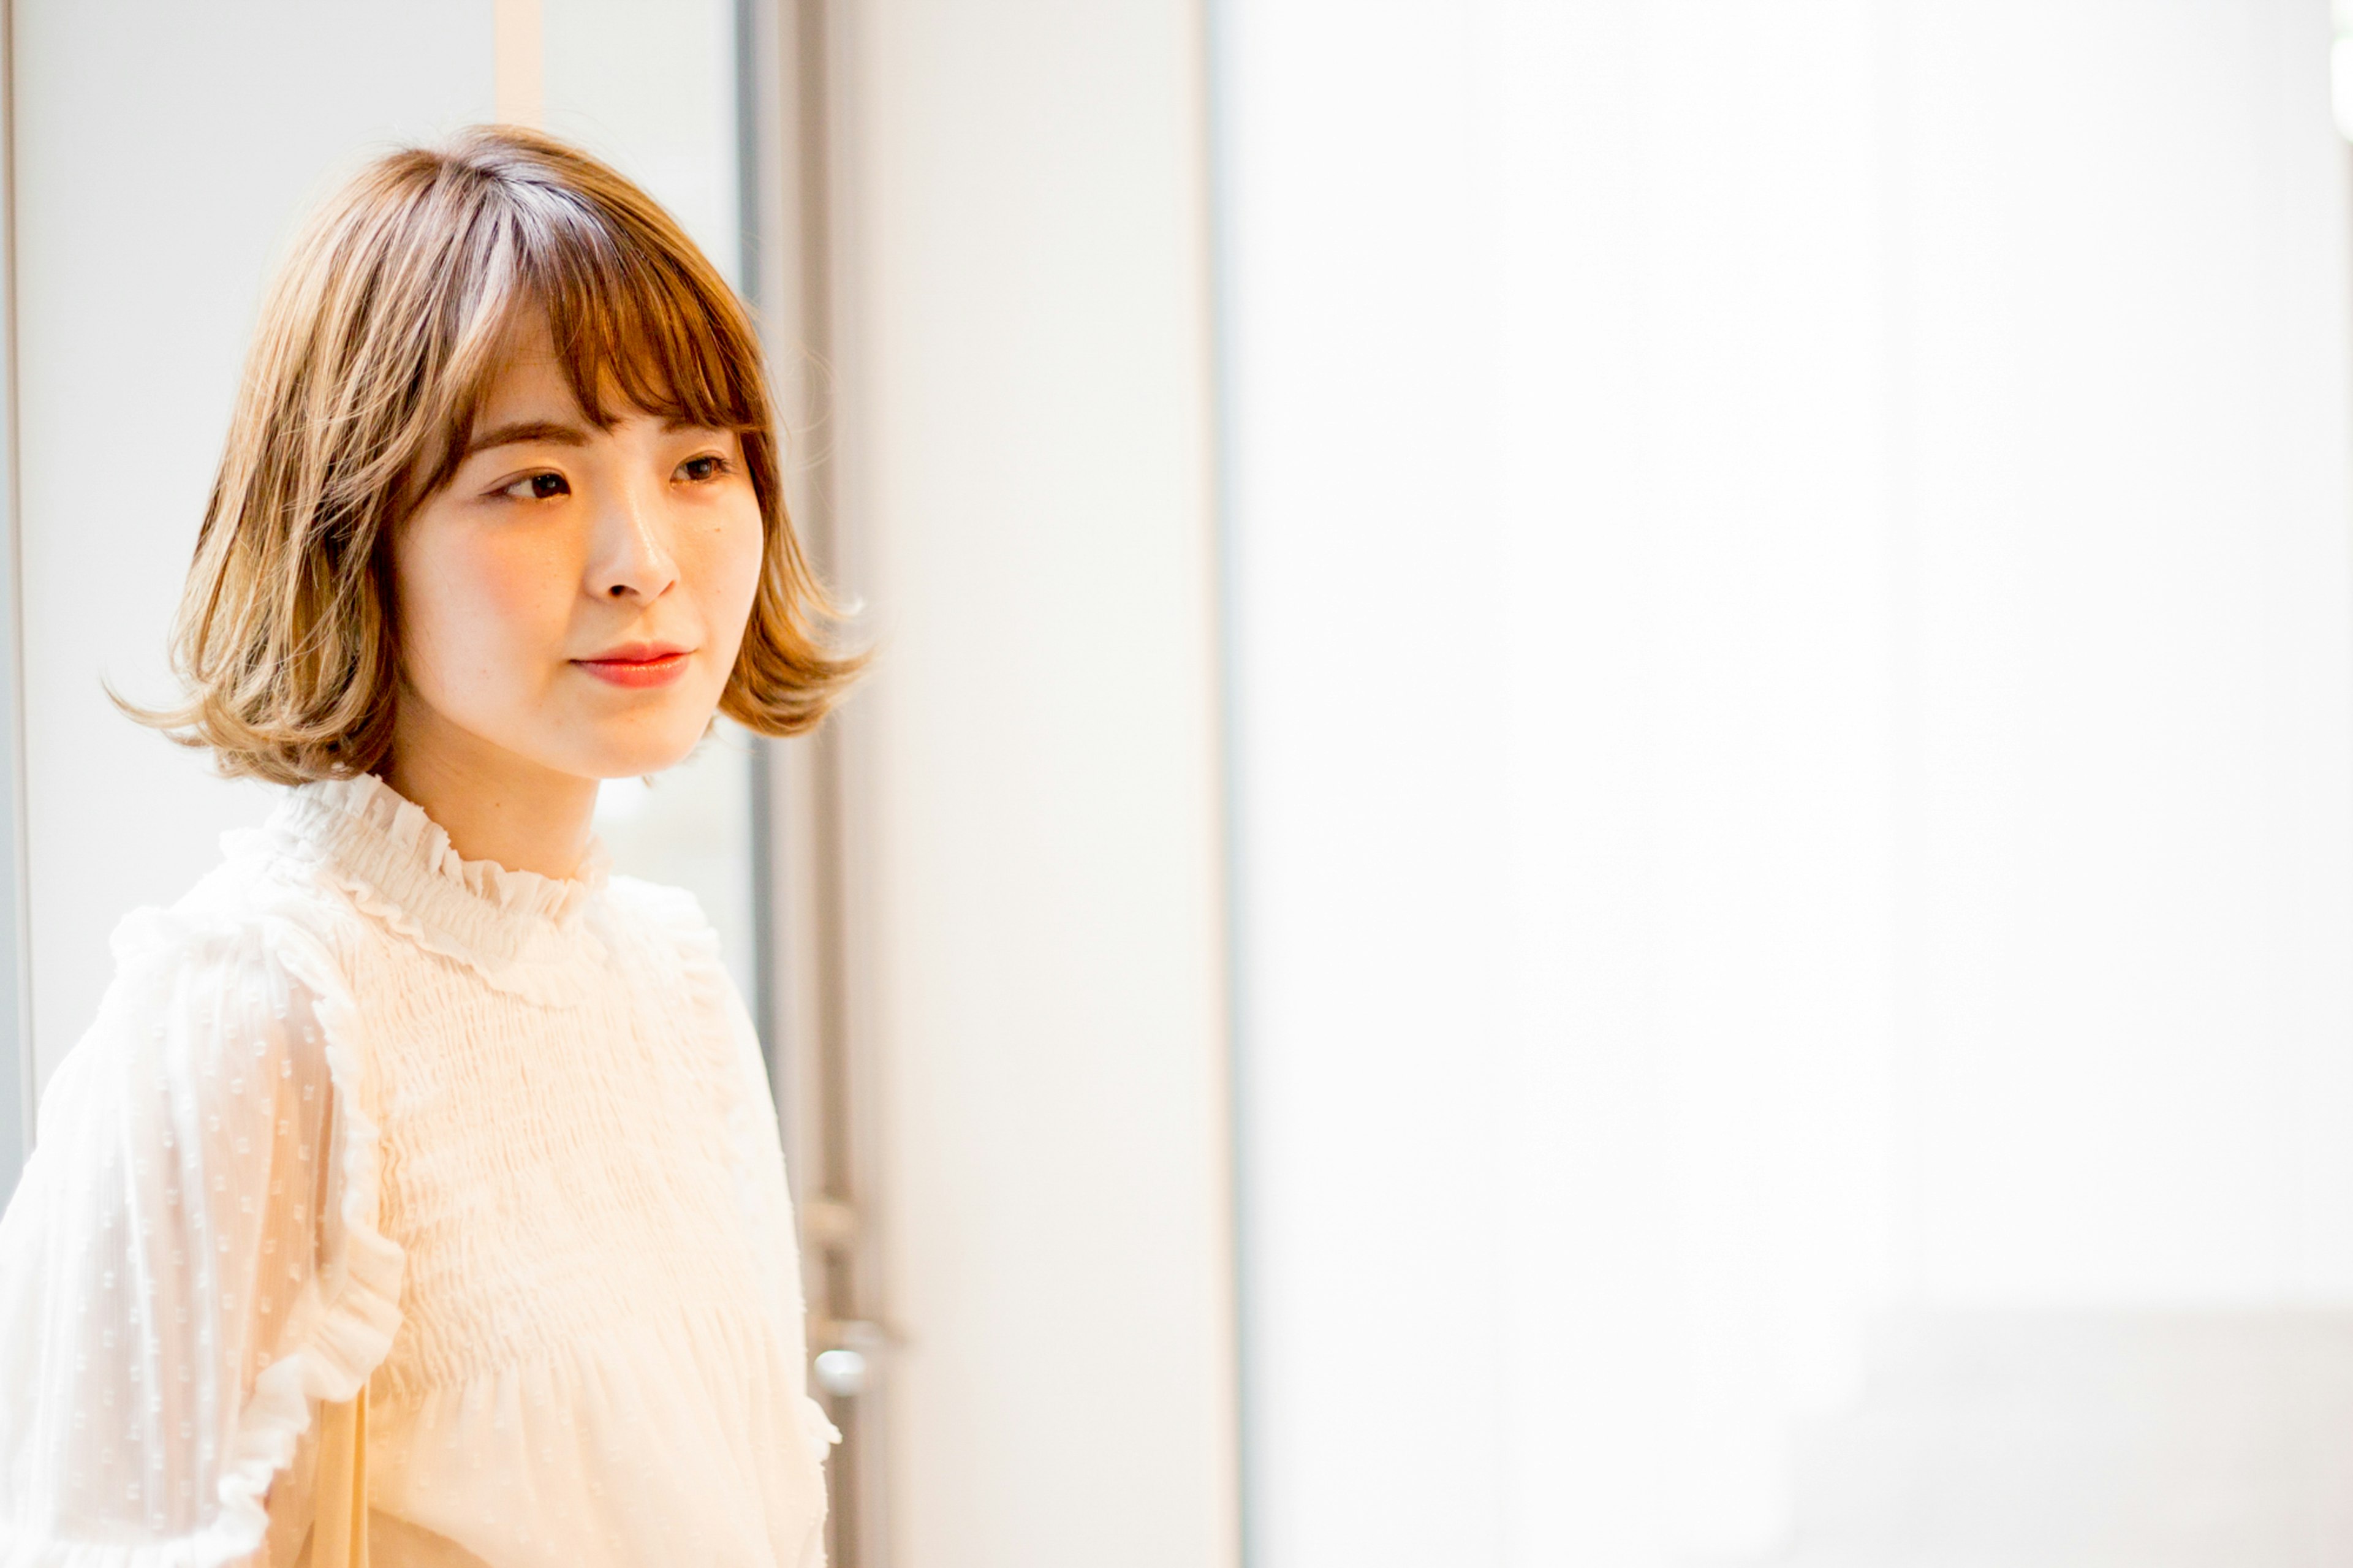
439	625
747	576
727	575
518	594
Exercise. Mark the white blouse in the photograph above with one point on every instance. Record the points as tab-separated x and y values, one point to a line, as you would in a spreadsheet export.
499	1145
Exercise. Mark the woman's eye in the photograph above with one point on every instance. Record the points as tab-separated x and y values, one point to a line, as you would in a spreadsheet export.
700	470
537	487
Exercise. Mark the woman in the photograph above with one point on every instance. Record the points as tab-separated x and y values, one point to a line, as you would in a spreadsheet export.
417	1194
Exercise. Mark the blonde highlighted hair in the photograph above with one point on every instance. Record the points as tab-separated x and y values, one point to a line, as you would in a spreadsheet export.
377	343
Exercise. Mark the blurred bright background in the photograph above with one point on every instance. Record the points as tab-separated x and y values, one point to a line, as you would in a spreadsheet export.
1607	816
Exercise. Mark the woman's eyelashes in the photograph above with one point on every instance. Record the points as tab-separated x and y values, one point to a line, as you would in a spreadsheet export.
703	468
541	486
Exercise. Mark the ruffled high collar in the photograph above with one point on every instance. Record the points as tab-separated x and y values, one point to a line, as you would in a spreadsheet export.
403	868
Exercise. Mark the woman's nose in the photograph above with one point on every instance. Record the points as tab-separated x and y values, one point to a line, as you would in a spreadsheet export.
633	558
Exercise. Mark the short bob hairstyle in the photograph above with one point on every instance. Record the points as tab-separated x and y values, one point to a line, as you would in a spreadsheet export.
378	340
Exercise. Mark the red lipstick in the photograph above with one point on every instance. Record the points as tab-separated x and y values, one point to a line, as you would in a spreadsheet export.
637	664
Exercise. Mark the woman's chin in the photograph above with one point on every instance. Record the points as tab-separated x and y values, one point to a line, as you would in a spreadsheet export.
641	763
640	750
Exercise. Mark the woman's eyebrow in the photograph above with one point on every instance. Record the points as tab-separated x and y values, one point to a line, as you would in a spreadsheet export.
548	432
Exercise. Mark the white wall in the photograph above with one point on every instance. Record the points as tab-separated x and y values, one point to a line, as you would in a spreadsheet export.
1795	651
1023	412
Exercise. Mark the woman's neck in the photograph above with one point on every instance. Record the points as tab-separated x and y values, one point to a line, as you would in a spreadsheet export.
494	804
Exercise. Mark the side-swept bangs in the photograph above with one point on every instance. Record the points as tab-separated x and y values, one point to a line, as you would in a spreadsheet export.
636	323
377	344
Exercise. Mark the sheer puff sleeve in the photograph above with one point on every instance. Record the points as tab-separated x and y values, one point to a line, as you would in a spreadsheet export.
191	1258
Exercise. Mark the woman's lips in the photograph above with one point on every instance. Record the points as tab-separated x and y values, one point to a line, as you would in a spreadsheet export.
637	667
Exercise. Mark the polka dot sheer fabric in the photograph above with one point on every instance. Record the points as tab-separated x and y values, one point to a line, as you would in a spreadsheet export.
497	1146
165	1251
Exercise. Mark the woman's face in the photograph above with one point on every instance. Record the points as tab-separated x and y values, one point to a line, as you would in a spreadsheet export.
574	596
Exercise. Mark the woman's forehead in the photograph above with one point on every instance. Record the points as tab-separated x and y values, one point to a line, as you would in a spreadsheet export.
529	378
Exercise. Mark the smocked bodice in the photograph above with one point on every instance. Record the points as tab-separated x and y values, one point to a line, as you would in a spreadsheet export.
556	1085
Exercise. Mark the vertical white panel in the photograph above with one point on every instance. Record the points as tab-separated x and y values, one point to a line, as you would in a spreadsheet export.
16	1064
1688	356
163	154
1024	417
1561	658
1371	653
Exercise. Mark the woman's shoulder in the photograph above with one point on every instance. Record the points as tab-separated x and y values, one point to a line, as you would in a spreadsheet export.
243	917
213	1001
667	926
248	946
665	914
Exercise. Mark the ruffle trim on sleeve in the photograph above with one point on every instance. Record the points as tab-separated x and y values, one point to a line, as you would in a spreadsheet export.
343	1324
